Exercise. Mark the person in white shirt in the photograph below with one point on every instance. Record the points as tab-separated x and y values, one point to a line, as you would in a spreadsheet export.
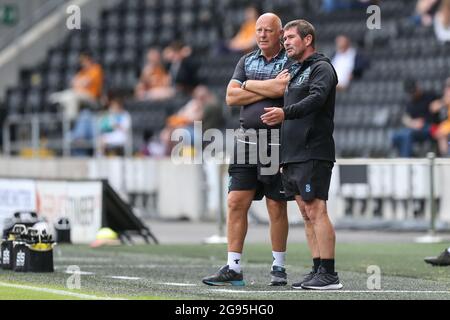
442	22
344	61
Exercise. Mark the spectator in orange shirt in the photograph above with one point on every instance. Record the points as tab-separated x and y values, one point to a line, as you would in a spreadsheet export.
155	82
244	41
442	133
202	100
193	110
86	88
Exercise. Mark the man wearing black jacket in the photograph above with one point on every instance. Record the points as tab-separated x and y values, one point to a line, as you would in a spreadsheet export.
257	82
307	147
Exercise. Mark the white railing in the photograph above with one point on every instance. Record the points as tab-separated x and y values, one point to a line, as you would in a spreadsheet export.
32	124
364	193
399	191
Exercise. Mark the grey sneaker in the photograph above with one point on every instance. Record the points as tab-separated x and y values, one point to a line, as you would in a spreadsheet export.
225	277
323	280
307	277
442	260
278	276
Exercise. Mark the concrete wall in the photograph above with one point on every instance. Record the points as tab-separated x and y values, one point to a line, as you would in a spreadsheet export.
179	188
31	48
192	191
26	10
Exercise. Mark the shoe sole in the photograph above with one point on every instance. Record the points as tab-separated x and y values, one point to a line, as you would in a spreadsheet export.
238	283
277	284
298	285
436	263
328	287
278	281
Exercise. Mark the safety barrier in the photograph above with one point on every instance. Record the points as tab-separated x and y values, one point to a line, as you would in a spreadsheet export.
364	193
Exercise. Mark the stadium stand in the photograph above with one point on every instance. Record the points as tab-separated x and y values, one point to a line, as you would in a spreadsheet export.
366	114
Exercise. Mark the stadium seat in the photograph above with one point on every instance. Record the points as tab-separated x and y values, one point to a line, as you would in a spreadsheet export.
365	114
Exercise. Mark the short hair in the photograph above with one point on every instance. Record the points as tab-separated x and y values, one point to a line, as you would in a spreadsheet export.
177	45
410	85
117	95
86	53
304	28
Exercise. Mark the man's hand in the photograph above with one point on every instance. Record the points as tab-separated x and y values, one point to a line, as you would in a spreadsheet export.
436	105
284	75
271	88
238	97
273	116
418	123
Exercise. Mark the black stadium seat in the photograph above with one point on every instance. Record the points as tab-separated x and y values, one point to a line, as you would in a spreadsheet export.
366	114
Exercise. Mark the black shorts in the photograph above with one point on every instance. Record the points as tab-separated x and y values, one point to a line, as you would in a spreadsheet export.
246	177
310	179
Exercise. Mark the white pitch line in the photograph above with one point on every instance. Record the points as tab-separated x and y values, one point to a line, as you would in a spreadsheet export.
81	273
123	278
328	291
56	291
178	284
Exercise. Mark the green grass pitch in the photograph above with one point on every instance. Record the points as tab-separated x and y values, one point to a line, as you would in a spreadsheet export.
175	271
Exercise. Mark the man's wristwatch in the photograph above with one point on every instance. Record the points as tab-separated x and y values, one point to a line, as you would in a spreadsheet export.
243	85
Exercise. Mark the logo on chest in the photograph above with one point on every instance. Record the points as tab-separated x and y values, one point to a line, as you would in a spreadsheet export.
277	68
303	77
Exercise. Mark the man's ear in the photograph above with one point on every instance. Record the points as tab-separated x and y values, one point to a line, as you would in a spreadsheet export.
309	39
281	35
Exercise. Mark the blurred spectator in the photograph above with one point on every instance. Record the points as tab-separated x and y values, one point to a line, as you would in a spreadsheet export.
244	41
154	83
329	6
182	69
442	22
82	135
86	88
443	130
202	99
348	62
115	127
417	120
193	110
424	12
152	146
213	117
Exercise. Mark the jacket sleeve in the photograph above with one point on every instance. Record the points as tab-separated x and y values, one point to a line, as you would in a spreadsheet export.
322	81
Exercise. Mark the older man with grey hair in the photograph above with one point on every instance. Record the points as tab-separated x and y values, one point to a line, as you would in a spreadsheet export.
258	82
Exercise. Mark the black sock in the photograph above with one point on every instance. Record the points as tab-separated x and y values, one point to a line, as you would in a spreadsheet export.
316	262
328	264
